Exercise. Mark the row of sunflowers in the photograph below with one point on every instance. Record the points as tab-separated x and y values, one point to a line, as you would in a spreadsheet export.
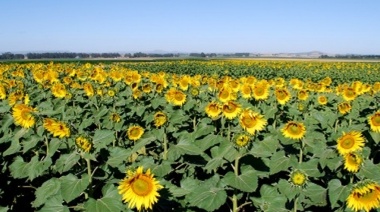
190	136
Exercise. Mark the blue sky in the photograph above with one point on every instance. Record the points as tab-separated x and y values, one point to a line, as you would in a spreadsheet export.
265	26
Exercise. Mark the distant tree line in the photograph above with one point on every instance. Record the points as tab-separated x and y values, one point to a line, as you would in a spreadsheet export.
202	55
352	56
10	56
140	54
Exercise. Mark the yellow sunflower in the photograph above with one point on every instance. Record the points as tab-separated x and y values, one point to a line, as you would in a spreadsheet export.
349	94
260	90
365	195
352	161
115	117
3	93
139	189
213	110
175	97
88	89
23	115
303	95
246	91
344	107
147	88
294	130
374	121
83	144
322	100
350	142
282	95
241	140
58	90
231	109
298	178
252	121
60	130
159	119
135	132
226	94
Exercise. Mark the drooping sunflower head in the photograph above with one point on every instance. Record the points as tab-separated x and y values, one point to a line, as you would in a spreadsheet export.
241	140
60	129
115	117
365	195
213	109
374	121
322	100
23	115
294	130
352	161
231	109
252	121
88	89
159	118
135	132
350	142
298	178
139	189
344	107
83	144
282	95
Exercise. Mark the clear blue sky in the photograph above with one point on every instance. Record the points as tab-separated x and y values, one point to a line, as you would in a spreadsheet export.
265	26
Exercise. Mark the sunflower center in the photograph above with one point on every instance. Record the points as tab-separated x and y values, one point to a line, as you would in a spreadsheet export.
249	121
281	95
242	141
376	120
224	94
347	143
178	96
294	129
25	115
135	132
229	108
142	186
259	91
298	179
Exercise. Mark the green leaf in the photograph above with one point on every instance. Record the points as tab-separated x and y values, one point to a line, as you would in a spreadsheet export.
203	129
19	168
310	168
266	147
117	156
66	162
337	192
53	146
316	194
72	187
279	162
46	190
36	168
287	189
4	209
207	198
102	138
270	200
246	182
110	202
30	142
6	121
54	204
370	170
187	186
14	148
208	141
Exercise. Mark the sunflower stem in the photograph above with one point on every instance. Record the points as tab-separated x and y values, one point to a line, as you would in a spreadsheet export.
301	151
235	207
47	146
336	125
89	169
164	156
295	205
194	122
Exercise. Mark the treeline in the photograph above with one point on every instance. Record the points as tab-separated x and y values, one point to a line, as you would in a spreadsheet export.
352	56
56	55
140	54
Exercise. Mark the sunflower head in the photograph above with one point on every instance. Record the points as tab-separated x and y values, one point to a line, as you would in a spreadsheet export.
252	121
213	109
352	161
294	130
322	100
135	132
23	115
160	119
282	95
349	94
115	117
83	143
303	95
365	195
231	109
298	178
374	121
241	140
344	107
139	189
350	142
260	90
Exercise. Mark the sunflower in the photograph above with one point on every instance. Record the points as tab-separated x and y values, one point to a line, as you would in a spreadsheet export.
298	178
303	95
159	119
88	89
241	140
3	93
374	121
111	93
58	90
246	91
213	110
147	88
184	82
60	130
294	130
282	95
350	142
83	144
322	100
252	121
115	117
231	109
352	161
22	115
139	189
261	90
175	97
365	195
349	94
226	94
344	107
135	132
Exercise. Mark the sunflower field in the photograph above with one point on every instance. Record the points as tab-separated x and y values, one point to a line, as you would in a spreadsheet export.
218	135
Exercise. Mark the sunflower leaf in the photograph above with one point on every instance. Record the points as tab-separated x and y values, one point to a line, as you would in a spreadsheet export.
266	147
117	156
337	192
246	182
66	162
72	187
46	190
54	204
102	138
207	198
110	202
